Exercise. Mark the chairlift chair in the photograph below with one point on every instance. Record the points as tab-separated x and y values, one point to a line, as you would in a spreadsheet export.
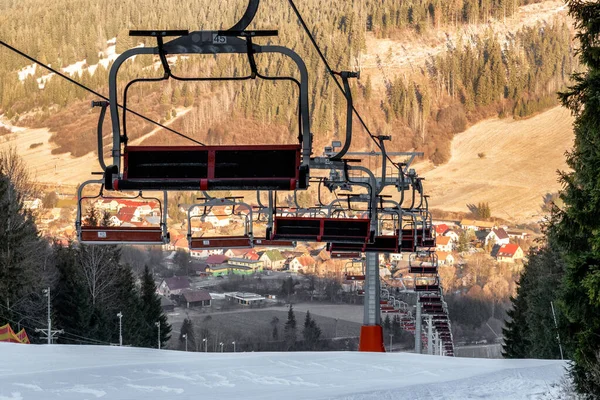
220	242
133	235
423	262
206	167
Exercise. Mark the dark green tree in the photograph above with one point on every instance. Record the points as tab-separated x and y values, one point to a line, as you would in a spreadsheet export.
152	314
290	330
311	333
516	333
578	231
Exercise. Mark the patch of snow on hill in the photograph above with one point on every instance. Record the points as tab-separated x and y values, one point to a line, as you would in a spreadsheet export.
41	372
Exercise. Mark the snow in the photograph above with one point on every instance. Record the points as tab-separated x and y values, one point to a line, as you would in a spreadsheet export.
42	372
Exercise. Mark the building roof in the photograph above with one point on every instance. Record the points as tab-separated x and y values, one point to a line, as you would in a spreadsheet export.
177	283
242	260
442	240
305	260
508	250
216	259
238	252
441	229
252	255
443	255
274	255
165	301
192	296
500	233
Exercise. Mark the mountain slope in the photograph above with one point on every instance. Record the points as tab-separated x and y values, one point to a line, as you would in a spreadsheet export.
518	165
92	372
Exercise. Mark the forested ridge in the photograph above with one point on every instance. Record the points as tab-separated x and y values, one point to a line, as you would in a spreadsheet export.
479	77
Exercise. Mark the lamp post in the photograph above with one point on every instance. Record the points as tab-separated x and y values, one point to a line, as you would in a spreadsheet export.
205	345
47	293
233	343
158	326
120	315
185	337
391	336
221	344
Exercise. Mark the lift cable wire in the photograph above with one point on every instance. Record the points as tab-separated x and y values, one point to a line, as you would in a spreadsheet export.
333	75
96	93
42	323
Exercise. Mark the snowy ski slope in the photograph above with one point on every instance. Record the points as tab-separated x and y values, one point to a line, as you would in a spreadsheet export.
42	372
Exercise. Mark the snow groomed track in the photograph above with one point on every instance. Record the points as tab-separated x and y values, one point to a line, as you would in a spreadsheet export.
40	372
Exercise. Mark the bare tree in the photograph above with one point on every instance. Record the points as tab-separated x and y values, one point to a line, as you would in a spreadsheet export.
99	266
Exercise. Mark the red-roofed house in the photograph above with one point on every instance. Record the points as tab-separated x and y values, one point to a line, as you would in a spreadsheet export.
509	253
441	229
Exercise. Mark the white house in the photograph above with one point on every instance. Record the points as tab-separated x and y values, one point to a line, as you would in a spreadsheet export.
444	243
453	235
303	263
273	259
476	225
445	258
217	221
173	286
497	236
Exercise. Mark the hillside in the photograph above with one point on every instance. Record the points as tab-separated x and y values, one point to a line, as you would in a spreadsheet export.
518	167
77	372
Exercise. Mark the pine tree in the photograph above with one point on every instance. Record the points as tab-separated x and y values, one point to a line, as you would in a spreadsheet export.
22	252
152	313
127	301
311	333
516	333
578	231
290	330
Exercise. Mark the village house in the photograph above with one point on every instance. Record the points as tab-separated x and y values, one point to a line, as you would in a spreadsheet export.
217	219
233	253
441	229
476	225
444	243
245	298
497	237
273	259
304	263
254	265
517	234
445	258
196	298
453	235
166	304
173	286
509	253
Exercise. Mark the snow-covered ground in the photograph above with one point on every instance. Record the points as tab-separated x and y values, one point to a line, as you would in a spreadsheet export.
92	372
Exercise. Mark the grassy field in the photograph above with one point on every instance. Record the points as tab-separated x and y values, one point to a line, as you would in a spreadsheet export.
249	324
